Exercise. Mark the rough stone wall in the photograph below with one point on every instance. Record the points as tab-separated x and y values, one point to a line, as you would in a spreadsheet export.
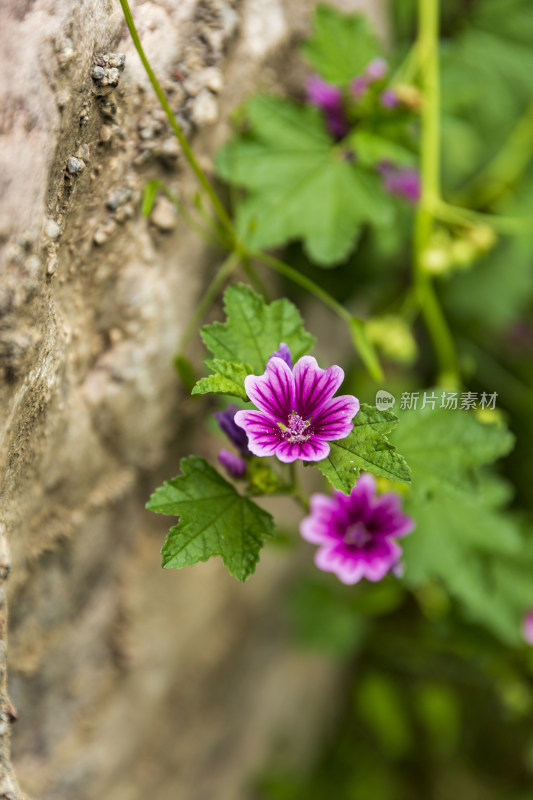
126	679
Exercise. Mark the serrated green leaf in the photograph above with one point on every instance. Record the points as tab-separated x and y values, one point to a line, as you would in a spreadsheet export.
341	46
366	448
214	520
228	378
255	330
371	149
462	535
443	447
300	184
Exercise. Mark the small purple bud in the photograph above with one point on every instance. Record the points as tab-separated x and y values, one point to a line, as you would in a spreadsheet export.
284	353
337	124
232	463
402	182
227	425
389	98
358	86
377	69
323	95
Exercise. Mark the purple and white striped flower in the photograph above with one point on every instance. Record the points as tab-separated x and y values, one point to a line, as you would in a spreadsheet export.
297	413
356	533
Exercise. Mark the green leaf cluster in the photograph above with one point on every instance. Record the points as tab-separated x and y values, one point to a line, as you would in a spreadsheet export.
366	448
243	344
214	520
341	46
463	537
300	184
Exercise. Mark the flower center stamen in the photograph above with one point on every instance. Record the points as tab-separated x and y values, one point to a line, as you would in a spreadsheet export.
295	430
357	535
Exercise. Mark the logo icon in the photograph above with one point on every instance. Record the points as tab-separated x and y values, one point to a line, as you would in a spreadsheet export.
384	400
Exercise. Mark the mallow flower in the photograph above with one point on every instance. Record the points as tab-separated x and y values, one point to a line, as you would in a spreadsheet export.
298	414
357	533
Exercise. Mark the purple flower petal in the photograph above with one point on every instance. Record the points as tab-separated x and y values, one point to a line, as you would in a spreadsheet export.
232	463
389	98
402	182
334	419
358	86
323	95
377	69
314	386
272	392
264	435
357	532
289	402
315	450
284	353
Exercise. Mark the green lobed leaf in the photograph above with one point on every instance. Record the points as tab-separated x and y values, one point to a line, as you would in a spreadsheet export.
342	45
254	330
214	520
462	536
228	378
366	448
300	184
371	149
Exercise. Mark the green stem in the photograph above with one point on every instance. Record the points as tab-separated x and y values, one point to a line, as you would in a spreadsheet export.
296	491
507	166
216	285
355	324
428	42
218	207
467	217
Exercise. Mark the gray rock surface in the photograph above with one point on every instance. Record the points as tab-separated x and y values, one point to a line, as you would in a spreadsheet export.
126	679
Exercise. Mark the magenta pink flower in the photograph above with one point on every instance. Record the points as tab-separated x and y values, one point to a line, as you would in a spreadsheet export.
527	627
297	414
356	533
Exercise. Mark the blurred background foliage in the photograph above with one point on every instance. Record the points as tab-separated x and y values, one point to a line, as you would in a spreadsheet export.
435	706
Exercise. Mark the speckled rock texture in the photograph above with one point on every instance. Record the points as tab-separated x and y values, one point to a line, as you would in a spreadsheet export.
127	680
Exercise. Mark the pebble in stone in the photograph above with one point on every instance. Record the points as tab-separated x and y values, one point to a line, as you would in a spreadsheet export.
106	71
52	229
163	216
205	108
168	152
75	165
118	198
104	232
66	54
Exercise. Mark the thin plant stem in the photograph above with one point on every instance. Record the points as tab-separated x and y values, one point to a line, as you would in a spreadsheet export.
505	168
428	42
296	490
216	285
218	207
469	218
355	324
